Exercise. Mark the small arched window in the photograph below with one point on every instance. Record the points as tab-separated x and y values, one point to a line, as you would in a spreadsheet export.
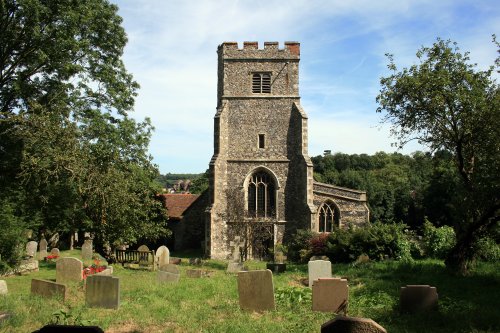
261	195
327	217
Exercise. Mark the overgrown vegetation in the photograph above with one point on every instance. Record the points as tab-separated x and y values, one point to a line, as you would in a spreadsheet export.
466	304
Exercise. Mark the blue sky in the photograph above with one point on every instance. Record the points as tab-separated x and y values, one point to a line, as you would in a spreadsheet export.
172	54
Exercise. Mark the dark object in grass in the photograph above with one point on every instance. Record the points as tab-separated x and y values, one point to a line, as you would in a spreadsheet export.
417	298
276	267
69	328
343	324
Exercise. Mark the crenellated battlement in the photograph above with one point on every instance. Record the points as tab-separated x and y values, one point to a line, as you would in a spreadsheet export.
251	50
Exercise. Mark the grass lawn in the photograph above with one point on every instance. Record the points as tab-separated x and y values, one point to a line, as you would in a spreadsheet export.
466	304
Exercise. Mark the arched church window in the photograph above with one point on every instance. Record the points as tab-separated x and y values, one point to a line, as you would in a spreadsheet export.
261	195
327	217
261	83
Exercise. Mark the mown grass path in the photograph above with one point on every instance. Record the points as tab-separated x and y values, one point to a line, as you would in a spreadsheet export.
466	304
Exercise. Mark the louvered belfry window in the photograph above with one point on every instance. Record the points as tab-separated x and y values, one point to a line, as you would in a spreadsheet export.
261	83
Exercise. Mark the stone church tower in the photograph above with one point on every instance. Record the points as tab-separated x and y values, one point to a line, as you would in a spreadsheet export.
261	177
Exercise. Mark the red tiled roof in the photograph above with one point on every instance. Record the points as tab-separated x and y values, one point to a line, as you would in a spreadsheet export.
177	204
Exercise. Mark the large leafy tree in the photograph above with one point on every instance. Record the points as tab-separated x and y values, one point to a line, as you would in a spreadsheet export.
68	147
445	102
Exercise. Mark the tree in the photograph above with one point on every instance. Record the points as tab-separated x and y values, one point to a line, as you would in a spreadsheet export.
445	102
67	143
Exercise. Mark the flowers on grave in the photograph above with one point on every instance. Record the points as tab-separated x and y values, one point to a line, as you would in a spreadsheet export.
51	258
93	269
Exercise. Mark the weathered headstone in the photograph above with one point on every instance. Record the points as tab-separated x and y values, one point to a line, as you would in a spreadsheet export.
330	295
195	261
319	269
69	270
87	250
237	245
414	298
162	255
31	248
168	273
102	292
55	252
341	324
43	249
198	273
107	271
235	267
48	288
143	248
256	290
3	287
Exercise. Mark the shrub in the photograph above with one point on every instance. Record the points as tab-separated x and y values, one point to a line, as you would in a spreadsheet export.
488	249
298	246
318	244
437	241
12	237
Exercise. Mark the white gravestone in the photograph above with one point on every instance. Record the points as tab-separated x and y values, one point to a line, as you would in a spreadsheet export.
319	269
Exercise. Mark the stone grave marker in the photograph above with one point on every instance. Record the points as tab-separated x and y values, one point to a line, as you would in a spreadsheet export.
198	273
48	288
143	248
31	248
102	292
256	290
414	298
168	273
162	255
319	269
107	271
330	295
43	249
3	287
341	324
69	270
195	261
55	252
87	250
236	265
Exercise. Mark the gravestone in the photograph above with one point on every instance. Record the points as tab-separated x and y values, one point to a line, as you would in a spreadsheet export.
330	295
43	249
168	273
143	248
195	261
31	249
162	255
69	270
55	252
198	273
3	287
237	244
256	290
87	250
342	324
107	271
414	298
319	269
48	288
175	261
102	292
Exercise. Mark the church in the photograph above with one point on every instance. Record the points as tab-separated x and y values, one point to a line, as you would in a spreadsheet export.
261	186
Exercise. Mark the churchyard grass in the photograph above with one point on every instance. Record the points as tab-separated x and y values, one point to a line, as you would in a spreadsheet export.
466	304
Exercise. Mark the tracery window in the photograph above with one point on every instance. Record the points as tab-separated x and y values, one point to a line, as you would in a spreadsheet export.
326	217
261	195
261	83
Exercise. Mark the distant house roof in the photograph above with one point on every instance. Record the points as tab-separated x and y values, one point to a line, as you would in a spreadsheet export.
177	204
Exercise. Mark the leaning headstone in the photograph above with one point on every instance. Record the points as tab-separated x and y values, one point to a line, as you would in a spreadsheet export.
414	298
48	288
319	269
31	249
342	324
3	287
43	249
69	270
256	290
330	295
87	250
168	273
162	255
55	252
102	292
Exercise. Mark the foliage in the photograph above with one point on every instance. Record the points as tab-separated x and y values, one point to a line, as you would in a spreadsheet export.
292	296
199	184
297	243
438	241
488	249
318	245
446	103
70	153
